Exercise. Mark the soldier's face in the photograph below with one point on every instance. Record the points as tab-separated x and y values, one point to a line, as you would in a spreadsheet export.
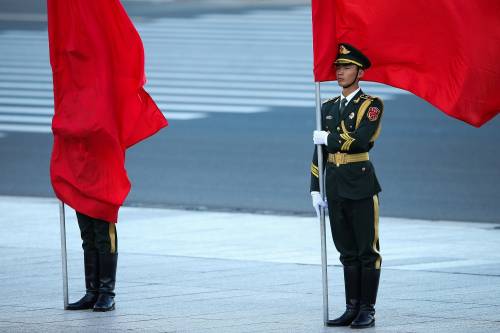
347	74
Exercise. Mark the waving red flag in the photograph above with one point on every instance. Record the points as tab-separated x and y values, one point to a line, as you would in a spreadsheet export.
101	108
445	51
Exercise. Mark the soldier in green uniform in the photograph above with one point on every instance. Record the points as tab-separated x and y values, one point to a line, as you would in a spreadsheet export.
350	126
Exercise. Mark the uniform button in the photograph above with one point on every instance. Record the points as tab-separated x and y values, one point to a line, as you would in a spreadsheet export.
338	128
340	141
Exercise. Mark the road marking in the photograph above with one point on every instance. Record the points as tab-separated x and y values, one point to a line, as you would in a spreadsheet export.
187	87
23	17
46	76
239	63
22	89
28	114
25	119
172	110
25	128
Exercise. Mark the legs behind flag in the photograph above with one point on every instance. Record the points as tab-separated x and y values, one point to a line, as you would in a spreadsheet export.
100	256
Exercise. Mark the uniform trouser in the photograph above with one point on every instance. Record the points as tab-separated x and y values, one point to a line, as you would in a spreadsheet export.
97	235
354	225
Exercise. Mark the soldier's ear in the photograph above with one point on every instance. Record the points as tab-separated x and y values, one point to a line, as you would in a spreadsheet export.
361	72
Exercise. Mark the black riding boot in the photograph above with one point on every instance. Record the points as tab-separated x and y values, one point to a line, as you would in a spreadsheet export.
91	265
369	286
107	278
352	286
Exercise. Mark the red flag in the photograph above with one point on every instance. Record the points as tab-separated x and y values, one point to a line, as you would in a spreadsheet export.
101	108
445	51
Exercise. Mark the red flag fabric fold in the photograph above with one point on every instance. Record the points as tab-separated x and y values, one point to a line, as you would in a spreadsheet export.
101	107
444	51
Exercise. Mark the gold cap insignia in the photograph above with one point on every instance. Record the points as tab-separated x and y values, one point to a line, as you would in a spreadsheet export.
343	50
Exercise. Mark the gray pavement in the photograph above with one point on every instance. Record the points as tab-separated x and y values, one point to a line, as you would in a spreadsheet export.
191	271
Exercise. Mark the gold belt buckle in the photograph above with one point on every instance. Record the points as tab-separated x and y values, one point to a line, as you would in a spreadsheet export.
339	158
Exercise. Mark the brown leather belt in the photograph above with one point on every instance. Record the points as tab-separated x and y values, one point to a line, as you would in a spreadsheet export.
343	158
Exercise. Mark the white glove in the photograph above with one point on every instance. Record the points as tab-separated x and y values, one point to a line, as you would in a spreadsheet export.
320	138
317	201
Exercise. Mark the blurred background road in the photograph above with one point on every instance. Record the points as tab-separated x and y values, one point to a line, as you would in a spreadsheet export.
234	78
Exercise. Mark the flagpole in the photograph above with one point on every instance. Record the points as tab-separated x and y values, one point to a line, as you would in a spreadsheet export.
62	218
324	259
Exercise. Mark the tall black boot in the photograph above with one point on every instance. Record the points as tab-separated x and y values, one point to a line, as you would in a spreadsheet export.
91	266
107	279
352	275
370	278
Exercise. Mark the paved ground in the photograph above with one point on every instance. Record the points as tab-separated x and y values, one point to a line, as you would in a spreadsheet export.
186	271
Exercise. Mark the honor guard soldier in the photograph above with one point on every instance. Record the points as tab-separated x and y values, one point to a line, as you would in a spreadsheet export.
100	255
350	126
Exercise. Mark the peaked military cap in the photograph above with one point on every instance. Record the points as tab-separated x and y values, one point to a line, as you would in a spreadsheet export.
348	54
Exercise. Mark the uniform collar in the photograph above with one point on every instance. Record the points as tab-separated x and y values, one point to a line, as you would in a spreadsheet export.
350	96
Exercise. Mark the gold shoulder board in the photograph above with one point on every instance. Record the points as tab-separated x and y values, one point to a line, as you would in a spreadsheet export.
334	99
367	97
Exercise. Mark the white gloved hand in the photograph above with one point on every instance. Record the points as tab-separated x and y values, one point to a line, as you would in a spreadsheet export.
317	201
320	138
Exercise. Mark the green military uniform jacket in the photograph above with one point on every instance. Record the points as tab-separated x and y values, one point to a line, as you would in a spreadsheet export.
355	133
